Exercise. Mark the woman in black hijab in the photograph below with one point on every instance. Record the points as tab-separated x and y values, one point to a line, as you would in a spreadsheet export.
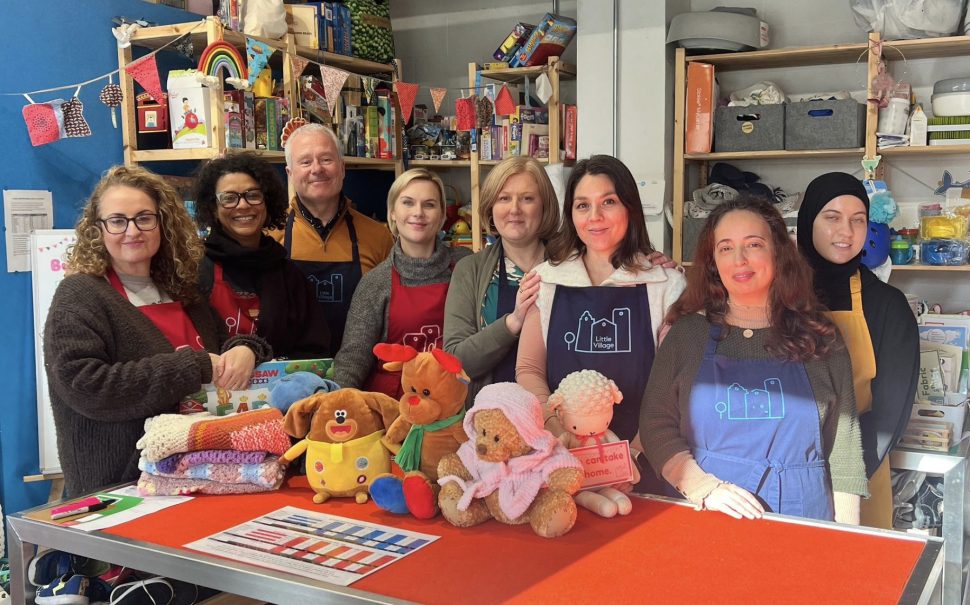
875	320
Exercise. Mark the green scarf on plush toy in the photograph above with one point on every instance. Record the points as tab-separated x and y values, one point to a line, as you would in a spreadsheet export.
409	456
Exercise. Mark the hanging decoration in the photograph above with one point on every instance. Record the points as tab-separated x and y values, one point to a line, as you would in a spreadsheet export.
543	88
437	96
504	105
298	65
465	113
145	72
368	84
74	123
288	129
123	33
257	54
185	47
45	121
221	55
333	81
485	112
111	96
406	93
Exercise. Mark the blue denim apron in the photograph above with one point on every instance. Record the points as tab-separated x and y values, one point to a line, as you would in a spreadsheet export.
606	329
755	423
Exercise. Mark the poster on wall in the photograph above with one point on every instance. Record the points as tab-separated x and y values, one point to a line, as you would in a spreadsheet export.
48	255
24	211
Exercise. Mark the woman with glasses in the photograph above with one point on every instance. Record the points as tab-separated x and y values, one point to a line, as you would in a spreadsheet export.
128	335
246	276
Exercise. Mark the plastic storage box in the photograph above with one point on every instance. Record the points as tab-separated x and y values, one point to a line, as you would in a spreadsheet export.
751	128
825	124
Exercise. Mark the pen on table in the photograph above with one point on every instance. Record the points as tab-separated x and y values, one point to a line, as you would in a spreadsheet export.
82	510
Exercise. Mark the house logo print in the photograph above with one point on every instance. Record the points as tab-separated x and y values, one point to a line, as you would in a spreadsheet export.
601	335
329	290
757	404
427	338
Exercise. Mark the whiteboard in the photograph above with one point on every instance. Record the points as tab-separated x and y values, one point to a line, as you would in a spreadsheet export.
48	253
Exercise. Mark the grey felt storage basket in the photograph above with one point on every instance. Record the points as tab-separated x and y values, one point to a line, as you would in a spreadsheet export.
825	125
751	128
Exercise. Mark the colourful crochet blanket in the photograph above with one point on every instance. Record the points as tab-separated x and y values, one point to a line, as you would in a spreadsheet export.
258	430
267	474
180	462
153	485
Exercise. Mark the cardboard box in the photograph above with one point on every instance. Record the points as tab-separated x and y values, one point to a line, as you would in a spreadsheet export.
699	111
752	128
506	50
221	402
246	102
188	110
549	39
954	412
835	124
303	21
233	121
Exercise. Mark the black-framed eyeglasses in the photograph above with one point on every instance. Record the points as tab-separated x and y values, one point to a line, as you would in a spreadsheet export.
230	199
117	225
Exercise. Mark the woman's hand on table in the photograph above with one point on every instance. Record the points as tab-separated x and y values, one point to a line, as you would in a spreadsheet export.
734	501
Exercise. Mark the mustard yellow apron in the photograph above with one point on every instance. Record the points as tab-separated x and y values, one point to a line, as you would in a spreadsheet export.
877	511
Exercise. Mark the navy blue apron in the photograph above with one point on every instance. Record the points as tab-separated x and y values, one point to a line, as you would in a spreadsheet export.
606	329
504	371
755	423
333	282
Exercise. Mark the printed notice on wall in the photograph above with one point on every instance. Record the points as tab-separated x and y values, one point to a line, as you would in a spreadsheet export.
24	211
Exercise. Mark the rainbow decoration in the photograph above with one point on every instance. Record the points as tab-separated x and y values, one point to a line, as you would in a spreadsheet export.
222	55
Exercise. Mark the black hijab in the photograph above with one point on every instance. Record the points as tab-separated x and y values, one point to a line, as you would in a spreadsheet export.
831	280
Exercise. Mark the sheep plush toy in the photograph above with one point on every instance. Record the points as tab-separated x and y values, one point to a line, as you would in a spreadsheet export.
584	404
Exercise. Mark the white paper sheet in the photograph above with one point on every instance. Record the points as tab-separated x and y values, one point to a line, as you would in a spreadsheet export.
24	211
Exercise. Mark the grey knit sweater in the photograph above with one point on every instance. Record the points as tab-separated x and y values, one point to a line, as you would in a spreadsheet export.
367	319
664	423
109	369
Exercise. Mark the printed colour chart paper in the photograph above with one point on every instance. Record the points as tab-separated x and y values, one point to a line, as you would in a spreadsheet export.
316	545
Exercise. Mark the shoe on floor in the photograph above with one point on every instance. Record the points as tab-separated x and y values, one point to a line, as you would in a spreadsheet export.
47	567
99	592
69	589
154	591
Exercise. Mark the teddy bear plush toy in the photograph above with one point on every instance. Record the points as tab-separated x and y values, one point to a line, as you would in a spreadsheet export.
510	469
341	435
584	404
428	428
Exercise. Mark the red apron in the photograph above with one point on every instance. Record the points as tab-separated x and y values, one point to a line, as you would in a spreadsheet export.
238	311
416	317
170	318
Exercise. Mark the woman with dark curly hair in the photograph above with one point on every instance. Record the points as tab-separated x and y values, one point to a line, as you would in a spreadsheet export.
246	275
761	416
127	334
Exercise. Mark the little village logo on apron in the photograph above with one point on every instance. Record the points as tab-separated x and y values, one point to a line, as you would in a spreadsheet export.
329	290
425	339
603	335
757	404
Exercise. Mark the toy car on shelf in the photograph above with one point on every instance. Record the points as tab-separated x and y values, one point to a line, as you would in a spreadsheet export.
449	152
420	152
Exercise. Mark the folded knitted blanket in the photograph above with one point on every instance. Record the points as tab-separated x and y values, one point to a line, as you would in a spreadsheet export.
179	462
258	430
153	485
267	473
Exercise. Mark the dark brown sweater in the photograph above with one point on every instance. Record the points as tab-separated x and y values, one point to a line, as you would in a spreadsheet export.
663	425
109	369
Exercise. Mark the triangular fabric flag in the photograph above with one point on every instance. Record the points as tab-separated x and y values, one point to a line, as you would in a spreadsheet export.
145	72
257	57
504	105
333	82
406	93
74	123
297	65
465	113
543	88
485	112
369	84
437	96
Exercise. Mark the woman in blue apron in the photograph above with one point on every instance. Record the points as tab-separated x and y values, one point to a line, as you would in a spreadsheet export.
493	290
601	301
750	406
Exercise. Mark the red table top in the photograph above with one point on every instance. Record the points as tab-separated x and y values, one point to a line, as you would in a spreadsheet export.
660	550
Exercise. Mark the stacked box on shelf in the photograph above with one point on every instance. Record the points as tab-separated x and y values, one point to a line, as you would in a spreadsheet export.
549	39
507	49
246	102
751	128
832	124
948	130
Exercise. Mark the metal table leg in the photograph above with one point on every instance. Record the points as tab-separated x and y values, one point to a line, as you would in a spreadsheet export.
954	497
19	554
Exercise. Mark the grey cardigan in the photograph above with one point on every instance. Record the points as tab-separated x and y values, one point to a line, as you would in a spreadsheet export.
479	349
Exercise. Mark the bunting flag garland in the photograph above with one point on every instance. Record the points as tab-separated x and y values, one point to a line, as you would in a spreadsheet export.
111	96
465	113
437	96
406	93
297	65
45	121
504	105
333	81
369	84
74	123
145	72
485	111
257	55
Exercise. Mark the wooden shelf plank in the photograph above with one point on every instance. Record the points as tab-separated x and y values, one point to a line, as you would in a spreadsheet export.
176	155
775	154
833	54
926	48
567	71
439	163
926	150
375	163
345	62
931	267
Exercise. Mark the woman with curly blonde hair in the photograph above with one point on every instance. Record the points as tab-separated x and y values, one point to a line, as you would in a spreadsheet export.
127	334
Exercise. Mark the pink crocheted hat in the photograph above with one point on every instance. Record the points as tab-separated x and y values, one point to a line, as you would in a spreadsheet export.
520	406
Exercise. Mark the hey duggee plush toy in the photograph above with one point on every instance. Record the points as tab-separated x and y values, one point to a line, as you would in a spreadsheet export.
584	404
510	469
341	435
429	427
